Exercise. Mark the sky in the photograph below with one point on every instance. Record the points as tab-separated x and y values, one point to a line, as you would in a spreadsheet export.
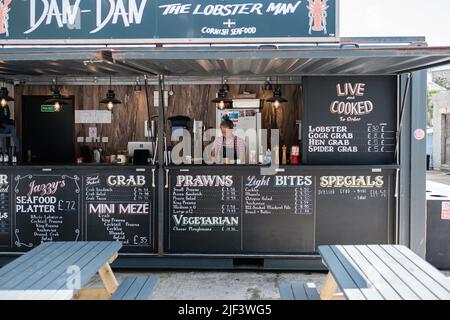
369	18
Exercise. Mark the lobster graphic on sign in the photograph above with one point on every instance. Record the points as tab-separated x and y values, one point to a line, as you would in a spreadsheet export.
4	16
318	15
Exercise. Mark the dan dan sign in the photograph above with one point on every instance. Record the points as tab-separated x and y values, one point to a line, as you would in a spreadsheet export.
153	21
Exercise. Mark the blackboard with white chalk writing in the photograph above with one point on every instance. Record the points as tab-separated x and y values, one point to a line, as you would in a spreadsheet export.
350	120
204	212
278	213
356	207
239	212
118	206
244	212
47	207
5	210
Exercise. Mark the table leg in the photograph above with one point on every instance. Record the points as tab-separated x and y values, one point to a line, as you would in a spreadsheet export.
109	281
108	278
329	289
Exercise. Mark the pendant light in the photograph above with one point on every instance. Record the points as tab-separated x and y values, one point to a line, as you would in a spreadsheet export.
221	98
277	98
56	100
267	85
4	96
110	100
137	86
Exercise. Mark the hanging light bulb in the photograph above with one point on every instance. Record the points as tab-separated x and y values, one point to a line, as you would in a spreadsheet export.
57	106
4	96
277	98
56	100
221	98
110	100
277	104
110	106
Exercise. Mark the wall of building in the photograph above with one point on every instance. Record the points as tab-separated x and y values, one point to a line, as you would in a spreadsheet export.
441	103
194	101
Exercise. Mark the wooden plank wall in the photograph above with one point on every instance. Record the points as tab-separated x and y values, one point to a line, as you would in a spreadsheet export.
193	101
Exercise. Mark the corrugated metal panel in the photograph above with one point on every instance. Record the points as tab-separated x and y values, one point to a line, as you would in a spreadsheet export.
58	62
294	62
214	61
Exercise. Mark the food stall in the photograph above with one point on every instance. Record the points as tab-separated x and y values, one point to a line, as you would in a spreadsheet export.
343	118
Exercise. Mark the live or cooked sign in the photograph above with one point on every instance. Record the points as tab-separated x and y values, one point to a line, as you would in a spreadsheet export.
108	21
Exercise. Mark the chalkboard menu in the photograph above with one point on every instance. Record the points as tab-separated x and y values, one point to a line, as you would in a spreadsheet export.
5	211
278	213
62	204
119	206
240	213
204	213
355	207
291	212
350	120
47	207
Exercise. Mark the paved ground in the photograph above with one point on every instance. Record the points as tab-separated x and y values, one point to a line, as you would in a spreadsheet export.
205	285
208	285
439	176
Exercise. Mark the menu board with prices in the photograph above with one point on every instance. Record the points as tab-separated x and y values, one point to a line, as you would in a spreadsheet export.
350	120
239	213
358	207
279	213
205	213
119	207
5	211
47	207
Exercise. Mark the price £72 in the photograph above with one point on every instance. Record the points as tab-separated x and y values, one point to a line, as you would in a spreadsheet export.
66	205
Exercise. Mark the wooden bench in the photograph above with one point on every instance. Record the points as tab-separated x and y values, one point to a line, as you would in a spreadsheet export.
136	288
299	291
381	272
60	270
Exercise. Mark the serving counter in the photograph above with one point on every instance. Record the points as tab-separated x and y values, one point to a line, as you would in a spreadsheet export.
209	211
238	210
70	203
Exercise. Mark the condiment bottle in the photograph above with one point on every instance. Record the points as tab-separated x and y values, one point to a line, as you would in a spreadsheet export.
295	154
284	155
276	151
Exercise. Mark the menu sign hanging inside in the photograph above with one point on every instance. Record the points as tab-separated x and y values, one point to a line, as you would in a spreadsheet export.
46	208
350	120
148	21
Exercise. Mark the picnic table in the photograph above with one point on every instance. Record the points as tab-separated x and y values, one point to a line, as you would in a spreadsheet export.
60	271
380	272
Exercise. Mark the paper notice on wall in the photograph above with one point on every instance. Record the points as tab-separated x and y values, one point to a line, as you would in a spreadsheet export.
93	132
93	116
445	212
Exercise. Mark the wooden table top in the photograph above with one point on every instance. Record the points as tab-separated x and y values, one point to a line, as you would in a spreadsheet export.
55	270
384	272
